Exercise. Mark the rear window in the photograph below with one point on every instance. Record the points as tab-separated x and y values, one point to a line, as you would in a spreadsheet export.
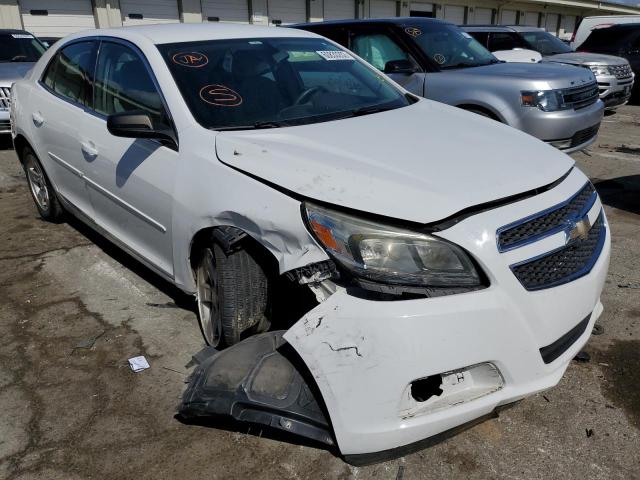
609	39
20	47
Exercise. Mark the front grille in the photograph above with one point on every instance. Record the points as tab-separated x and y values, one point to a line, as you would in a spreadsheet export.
548	222
581	97
5	125
5	98
565	264
620	71
585	135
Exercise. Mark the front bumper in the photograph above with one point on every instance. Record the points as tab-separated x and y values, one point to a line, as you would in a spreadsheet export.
613	91
363	353
562	129
5	122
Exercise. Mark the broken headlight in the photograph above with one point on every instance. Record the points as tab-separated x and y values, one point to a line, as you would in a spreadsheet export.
388	254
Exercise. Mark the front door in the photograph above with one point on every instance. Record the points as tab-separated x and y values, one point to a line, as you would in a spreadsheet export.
378	48
130	180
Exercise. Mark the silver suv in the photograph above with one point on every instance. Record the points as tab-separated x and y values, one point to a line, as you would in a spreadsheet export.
20	50
437	60
614	75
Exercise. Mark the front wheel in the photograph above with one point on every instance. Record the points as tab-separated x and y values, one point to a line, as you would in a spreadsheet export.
41	190
232	292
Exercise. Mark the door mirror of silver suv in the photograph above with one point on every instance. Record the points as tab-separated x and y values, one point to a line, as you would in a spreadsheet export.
399	66
138	124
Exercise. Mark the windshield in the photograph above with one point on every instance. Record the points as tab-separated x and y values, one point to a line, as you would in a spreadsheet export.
274	82
545	43
20	47
449	47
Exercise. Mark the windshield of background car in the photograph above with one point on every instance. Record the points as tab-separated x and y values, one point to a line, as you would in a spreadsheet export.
449	47
20	47
271	82
545	43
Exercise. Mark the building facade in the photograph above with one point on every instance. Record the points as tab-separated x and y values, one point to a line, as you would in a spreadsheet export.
57	18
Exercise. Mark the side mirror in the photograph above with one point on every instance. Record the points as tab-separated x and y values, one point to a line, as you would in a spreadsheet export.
399	66
138	124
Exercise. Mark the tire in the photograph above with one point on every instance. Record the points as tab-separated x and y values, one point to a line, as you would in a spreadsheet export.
232	295
43	194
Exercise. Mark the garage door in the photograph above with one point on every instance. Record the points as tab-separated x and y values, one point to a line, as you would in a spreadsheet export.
567	25
530	19
141	12
551	23
382	9
420	9
282	12
231	11
483	16
339	9
56	18
508	17
454	14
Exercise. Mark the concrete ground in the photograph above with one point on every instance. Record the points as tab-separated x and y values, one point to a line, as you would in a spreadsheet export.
73	309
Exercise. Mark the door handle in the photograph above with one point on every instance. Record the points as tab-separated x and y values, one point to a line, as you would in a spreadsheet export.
89	149
38	119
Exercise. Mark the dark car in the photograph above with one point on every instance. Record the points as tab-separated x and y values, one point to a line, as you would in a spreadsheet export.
622	40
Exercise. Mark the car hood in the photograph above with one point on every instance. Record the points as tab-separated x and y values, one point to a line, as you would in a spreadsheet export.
582	58
13	71
421	163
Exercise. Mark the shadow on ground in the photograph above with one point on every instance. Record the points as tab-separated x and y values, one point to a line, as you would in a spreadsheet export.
622	192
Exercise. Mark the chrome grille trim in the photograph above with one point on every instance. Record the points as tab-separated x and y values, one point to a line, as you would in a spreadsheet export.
621	71
581	97
5	98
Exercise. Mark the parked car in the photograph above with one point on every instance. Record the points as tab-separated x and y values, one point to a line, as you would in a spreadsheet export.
622	40
435	59
436	264
18	53
613	74
589	24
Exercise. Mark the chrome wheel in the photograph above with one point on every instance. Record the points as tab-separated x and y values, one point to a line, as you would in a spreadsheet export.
37	184
208	305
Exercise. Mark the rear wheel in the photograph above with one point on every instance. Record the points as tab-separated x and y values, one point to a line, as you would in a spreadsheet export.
232	294
41	190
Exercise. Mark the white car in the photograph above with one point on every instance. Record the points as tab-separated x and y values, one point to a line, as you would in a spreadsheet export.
427	265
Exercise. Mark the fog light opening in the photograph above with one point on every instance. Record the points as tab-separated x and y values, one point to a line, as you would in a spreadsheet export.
425	388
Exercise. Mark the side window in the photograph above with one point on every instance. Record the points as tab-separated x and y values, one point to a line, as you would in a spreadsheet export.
123	84
69	73
378	49
502	41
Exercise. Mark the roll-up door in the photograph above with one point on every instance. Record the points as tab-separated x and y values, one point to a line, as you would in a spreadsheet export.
508	17
231	11
567	26
339	9
282	12
454	14
421	9
56	18
383	8
551	23
483	16
142	12
530	19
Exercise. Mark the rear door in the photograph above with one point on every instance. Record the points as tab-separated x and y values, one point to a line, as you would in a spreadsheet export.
130	180
61	107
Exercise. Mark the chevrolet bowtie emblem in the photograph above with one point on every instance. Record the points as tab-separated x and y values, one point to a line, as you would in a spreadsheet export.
578	230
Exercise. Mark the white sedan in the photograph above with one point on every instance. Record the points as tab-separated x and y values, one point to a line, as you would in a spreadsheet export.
414	266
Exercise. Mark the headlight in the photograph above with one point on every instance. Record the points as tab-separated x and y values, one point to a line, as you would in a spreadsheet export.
388	254
599	69
547	100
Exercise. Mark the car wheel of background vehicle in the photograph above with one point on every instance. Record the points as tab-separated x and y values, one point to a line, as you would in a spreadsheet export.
41	190
232	295
477	111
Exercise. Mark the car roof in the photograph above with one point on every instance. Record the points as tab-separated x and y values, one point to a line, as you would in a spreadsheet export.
619	26
380	21
193	32
502	28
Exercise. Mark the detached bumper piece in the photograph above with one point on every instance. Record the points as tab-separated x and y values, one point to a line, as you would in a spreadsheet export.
256	381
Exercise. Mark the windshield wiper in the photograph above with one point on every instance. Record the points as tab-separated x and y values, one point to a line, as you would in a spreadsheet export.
460	65
255	126
369	110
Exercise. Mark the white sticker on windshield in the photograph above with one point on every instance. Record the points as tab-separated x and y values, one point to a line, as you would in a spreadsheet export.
21	35
334	55
465	34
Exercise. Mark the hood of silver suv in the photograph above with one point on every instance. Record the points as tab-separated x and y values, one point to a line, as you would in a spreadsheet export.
580	58
421	163
13	71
